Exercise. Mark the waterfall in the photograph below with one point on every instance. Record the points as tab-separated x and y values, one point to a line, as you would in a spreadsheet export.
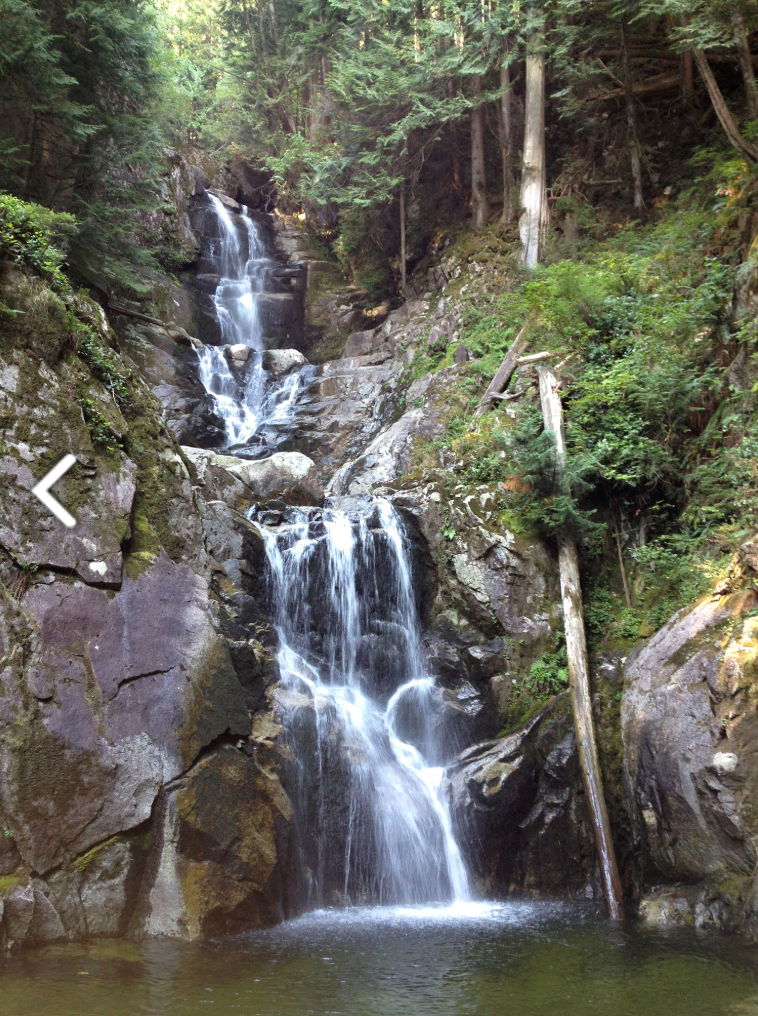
365	722
367	729
245	396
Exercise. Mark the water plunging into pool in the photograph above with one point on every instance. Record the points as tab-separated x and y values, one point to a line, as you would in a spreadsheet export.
365	721
246	397
366	725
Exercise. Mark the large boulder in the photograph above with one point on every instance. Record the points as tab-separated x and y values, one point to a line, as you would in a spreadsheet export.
215	866
287	476
690	733
518	805
282	361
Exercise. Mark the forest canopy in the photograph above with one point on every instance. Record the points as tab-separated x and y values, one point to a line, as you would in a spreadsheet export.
351	105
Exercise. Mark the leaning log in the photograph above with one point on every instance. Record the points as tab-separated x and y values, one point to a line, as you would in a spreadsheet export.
578	668
504	373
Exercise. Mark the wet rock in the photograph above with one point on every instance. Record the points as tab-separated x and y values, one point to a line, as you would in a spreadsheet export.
239	353
95	894
495	573
226	201
289	476
283	361
392	451
518	806
215	867
683	905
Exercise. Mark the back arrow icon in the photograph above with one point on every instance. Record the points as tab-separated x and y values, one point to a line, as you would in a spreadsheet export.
44	485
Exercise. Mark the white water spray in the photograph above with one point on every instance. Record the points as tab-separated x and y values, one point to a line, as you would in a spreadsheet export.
375	823
246	398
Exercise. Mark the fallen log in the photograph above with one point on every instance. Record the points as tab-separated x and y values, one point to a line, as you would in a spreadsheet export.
504	373
578	668
534	357
650	86
114	309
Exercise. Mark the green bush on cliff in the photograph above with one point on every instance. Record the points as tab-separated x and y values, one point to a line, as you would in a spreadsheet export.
35	237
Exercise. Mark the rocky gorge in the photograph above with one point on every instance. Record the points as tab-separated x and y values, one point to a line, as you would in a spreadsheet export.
147	784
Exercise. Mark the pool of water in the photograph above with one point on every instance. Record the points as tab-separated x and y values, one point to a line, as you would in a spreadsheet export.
522	959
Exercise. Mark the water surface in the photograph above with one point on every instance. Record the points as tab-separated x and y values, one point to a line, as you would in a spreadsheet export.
518	959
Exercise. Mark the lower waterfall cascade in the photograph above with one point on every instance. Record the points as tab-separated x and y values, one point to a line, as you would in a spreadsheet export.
384	835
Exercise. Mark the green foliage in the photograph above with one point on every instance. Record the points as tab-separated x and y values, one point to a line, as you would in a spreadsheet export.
35	237
101	362
100	430
84	79
549	674
555	484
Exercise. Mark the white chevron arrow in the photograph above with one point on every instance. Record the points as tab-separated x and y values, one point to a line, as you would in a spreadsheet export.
47	499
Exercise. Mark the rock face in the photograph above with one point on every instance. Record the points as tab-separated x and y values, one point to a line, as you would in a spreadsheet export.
690	731
492	583
128	690
127	663
519	806
215	859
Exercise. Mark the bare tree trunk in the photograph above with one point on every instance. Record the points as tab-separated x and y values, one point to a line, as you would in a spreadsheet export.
262	33
746	65
631	120
731	129
506	112
480	206
403	277
627	593
250	31
534	211
457	177
688	77
578	667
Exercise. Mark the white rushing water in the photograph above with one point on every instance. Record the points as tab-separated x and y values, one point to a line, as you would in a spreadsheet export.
366	726
375	823
246	397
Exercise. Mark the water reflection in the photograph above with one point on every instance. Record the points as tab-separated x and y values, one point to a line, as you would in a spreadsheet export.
512	960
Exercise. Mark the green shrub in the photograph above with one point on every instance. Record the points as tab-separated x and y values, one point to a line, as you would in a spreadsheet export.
35	237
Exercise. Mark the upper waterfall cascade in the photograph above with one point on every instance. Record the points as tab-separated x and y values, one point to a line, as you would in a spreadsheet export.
367	727
246	397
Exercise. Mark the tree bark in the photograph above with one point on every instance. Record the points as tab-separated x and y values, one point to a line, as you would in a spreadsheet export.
726	119
504	373
534	211
506	113
578	668
631	121
480	206
403	277
627	592
262	33
688	77
746	65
